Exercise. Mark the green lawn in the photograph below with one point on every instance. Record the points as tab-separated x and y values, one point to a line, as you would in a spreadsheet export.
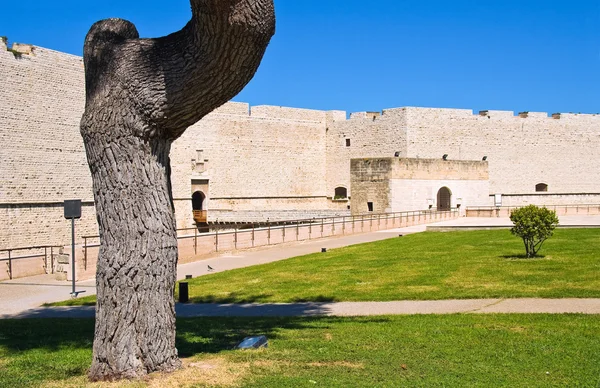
424	351
425	266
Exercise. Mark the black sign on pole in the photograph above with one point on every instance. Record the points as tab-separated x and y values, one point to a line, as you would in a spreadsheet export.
72	212
73	209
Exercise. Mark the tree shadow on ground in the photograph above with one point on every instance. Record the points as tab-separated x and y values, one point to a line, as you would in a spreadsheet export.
521	257
260	298
231	298
194	335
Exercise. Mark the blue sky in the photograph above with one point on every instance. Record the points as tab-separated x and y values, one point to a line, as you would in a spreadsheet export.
527	55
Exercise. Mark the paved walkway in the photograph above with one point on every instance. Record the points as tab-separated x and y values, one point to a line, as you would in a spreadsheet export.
21	297
351	309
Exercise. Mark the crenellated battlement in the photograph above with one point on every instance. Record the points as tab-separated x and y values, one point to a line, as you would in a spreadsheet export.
17	49
450	113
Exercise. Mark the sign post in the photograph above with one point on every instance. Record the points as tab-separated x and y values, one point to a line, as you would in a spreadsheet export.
72	212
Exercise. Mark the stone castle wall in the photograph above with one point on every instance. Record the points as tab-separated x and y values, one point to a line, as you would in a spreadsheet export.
42	161
402	184
522	152
560	151
253	159
264	161
365	135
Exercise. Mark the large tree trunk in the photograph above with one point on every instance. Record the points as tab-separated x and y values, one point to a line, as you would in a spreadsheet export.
141	94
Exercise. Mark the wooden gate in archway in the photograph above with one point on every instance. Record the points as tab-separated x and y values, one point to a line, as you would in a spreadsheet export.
444	199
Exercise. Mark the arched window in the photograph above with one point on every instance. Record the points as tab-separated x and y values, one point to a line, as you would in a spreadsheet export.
198	200
541	187
341	193
444	199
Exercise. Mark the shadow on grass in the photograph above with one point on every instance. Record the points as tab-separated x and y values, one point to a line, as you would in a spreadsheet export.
194	335
230	298
234	298
522	257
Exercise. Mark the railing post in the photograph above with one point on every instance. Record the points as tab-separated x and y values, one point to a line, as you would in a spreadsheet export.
235	237
252	235
85	253
283	232
297	230
268	232
9	265
217	239
196	240
52	258
343	225
333	226
46	259
322	221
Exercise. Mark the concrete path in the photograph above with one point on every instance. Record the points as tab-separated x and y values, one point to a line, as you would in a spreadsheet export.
350	309
20	295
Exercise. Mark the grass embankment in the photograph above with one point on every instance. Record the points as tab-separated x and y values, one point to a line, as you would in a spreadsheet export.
453	350
426	266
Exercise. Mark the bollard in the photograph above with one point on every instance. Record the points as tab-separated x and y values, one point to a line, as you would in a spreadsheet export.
183	293
323	250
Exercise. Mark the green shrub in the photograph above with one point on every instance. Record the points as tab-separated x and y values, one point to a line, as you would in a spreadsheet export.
534	225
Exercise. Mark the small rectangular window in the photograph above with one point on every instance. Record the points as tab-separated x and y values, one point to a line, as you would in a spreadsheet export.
347	142
370	205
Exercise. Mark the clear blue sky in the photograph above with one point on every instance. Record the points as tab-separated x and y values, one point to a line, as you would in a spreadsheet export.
521	55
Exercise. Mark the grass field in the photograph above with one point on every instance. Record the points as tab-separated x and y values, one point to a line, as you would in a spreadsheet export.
425	266
408	351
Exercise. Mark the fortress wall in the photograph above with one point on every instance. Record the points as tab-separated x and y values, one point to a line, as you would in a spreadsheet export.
415	183
36	224
264	152
370	135
41	102
233	108
42	161
371	182
295	114
262	158
271	154
522	152
541	199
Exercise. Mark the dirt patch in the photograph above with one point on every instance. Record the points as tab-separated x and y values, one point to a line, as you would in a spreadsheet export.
337	364
209	372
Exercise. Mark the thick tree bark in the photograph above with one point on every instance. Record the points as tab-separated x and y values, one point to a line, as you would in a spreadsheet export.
141	94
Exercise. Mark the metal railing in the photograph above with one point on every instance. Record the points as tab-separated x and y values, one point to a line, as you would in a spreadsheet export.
314	225
47	249
316	229
500	211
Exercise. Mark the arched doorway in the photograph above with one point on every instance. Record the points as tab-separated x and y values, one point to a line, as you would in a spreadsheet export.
198	199
444	199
